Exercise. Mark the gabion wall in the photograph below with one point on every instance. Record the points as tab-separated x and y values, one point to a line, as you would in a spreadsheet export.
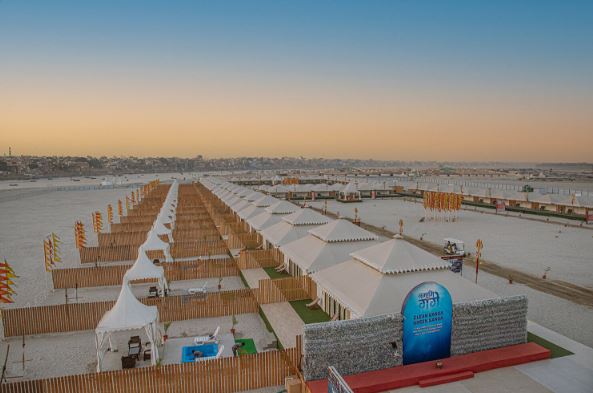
489	324
365	344
352	346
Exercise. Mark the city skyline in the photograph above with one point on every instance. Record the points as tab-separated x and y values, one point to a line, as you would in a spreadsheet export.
504	81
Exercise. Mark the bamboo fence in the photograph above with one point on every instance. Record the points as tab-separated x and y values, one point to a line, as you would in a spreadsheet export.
226	375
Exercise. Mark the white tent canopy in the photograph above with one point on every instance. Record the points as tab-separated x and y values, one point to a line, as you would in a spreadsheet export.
127	314
153	242
143	268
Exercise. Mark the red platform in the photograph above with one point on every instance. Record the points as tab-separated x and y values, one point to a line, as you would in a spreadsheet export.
454	368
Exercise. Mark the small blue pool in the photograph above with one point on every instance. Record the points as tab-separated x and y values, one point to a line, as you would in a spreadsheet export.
208	350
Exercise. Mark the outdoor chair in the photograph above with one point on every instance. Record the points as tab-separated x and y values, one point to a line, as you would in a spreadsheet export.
153	292
210	338
147	354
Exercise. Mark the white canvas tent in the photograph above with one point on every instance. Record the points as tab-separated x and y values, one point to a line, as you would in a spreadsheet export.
143	268
376	280
153	242
127	314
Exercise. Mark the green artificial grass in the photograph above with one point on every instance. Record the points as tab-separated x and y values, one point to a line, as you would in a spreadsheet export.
555	350
274	274
248	348
309	315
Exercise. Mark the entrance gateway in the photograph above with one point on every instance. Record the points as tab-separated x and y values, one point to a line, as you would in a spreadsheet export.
427	312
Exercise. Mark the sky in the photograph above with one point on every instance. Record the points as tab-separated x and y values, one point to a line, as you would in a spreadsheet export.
505	80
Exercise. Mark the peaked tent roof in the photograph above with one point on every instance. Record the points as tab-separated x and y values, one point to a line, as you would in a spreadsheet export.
306	216
312	254
283	232
398	256
254	196
265	201
154	242
350	188
127	313
341	230
282	207
368	292
143	268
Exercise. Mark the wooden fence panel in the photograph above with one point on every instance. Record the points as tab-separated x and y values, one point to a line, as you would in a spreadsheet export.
85	277
226	375
86	316
251	259
285	290
190	249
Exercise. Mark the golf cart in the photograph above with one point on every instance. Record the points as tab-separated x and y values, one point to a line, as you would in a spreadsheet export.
454	250
453	247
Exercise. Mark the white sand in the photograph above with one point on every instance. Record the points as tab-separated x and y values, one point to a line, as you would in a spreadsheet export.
27	220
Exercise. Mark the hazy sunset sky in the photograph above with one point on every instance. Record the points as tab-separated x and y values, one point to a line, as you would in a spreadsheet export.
412	80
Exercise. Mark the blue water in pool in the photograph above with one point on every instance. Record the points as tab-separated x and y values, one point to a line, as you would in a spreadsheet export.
207	350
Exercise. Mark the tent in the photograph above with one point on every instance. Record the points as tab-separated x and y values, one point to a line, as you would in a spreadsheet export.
127	314
143	268
153	242
160	228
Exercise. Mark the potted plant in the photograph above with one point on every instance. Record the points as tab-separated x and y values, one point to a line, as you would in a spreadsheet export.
234	323
219	283
166	326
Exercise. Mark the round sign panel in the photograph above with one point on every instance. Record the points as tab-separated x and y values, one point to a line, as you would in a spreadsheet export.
427	312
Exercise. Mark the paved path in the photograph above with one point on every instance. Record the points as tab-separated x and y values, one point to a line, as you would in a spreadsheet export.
286	322
252	276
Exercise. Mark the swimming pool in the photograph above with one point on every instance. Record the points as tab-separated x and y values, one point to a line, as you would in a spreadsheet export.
208	350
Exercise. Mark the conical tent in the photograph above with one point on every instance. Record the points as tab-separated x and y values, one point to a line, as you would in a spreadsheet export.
153	242
143	268
127	314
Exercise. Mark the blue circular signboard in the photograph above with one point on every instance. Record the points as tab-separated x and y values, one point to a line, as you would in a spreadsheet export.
427	312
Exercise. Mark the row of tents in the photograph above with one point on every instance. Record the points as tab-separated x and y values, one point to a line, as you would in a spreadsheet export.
128	313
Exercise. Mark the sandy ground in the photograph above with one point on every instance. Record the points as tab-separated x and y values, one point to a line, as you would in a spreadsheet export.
525	245
27	220
74	353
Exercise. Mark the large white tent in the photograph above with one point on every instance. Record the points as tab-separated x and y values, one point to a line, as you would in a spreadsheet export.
325	246
127	314
271	215
377	279
293	226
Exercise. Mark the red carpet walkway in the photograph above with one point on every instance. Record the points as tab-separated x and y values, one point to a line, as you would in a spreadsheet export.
454	368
